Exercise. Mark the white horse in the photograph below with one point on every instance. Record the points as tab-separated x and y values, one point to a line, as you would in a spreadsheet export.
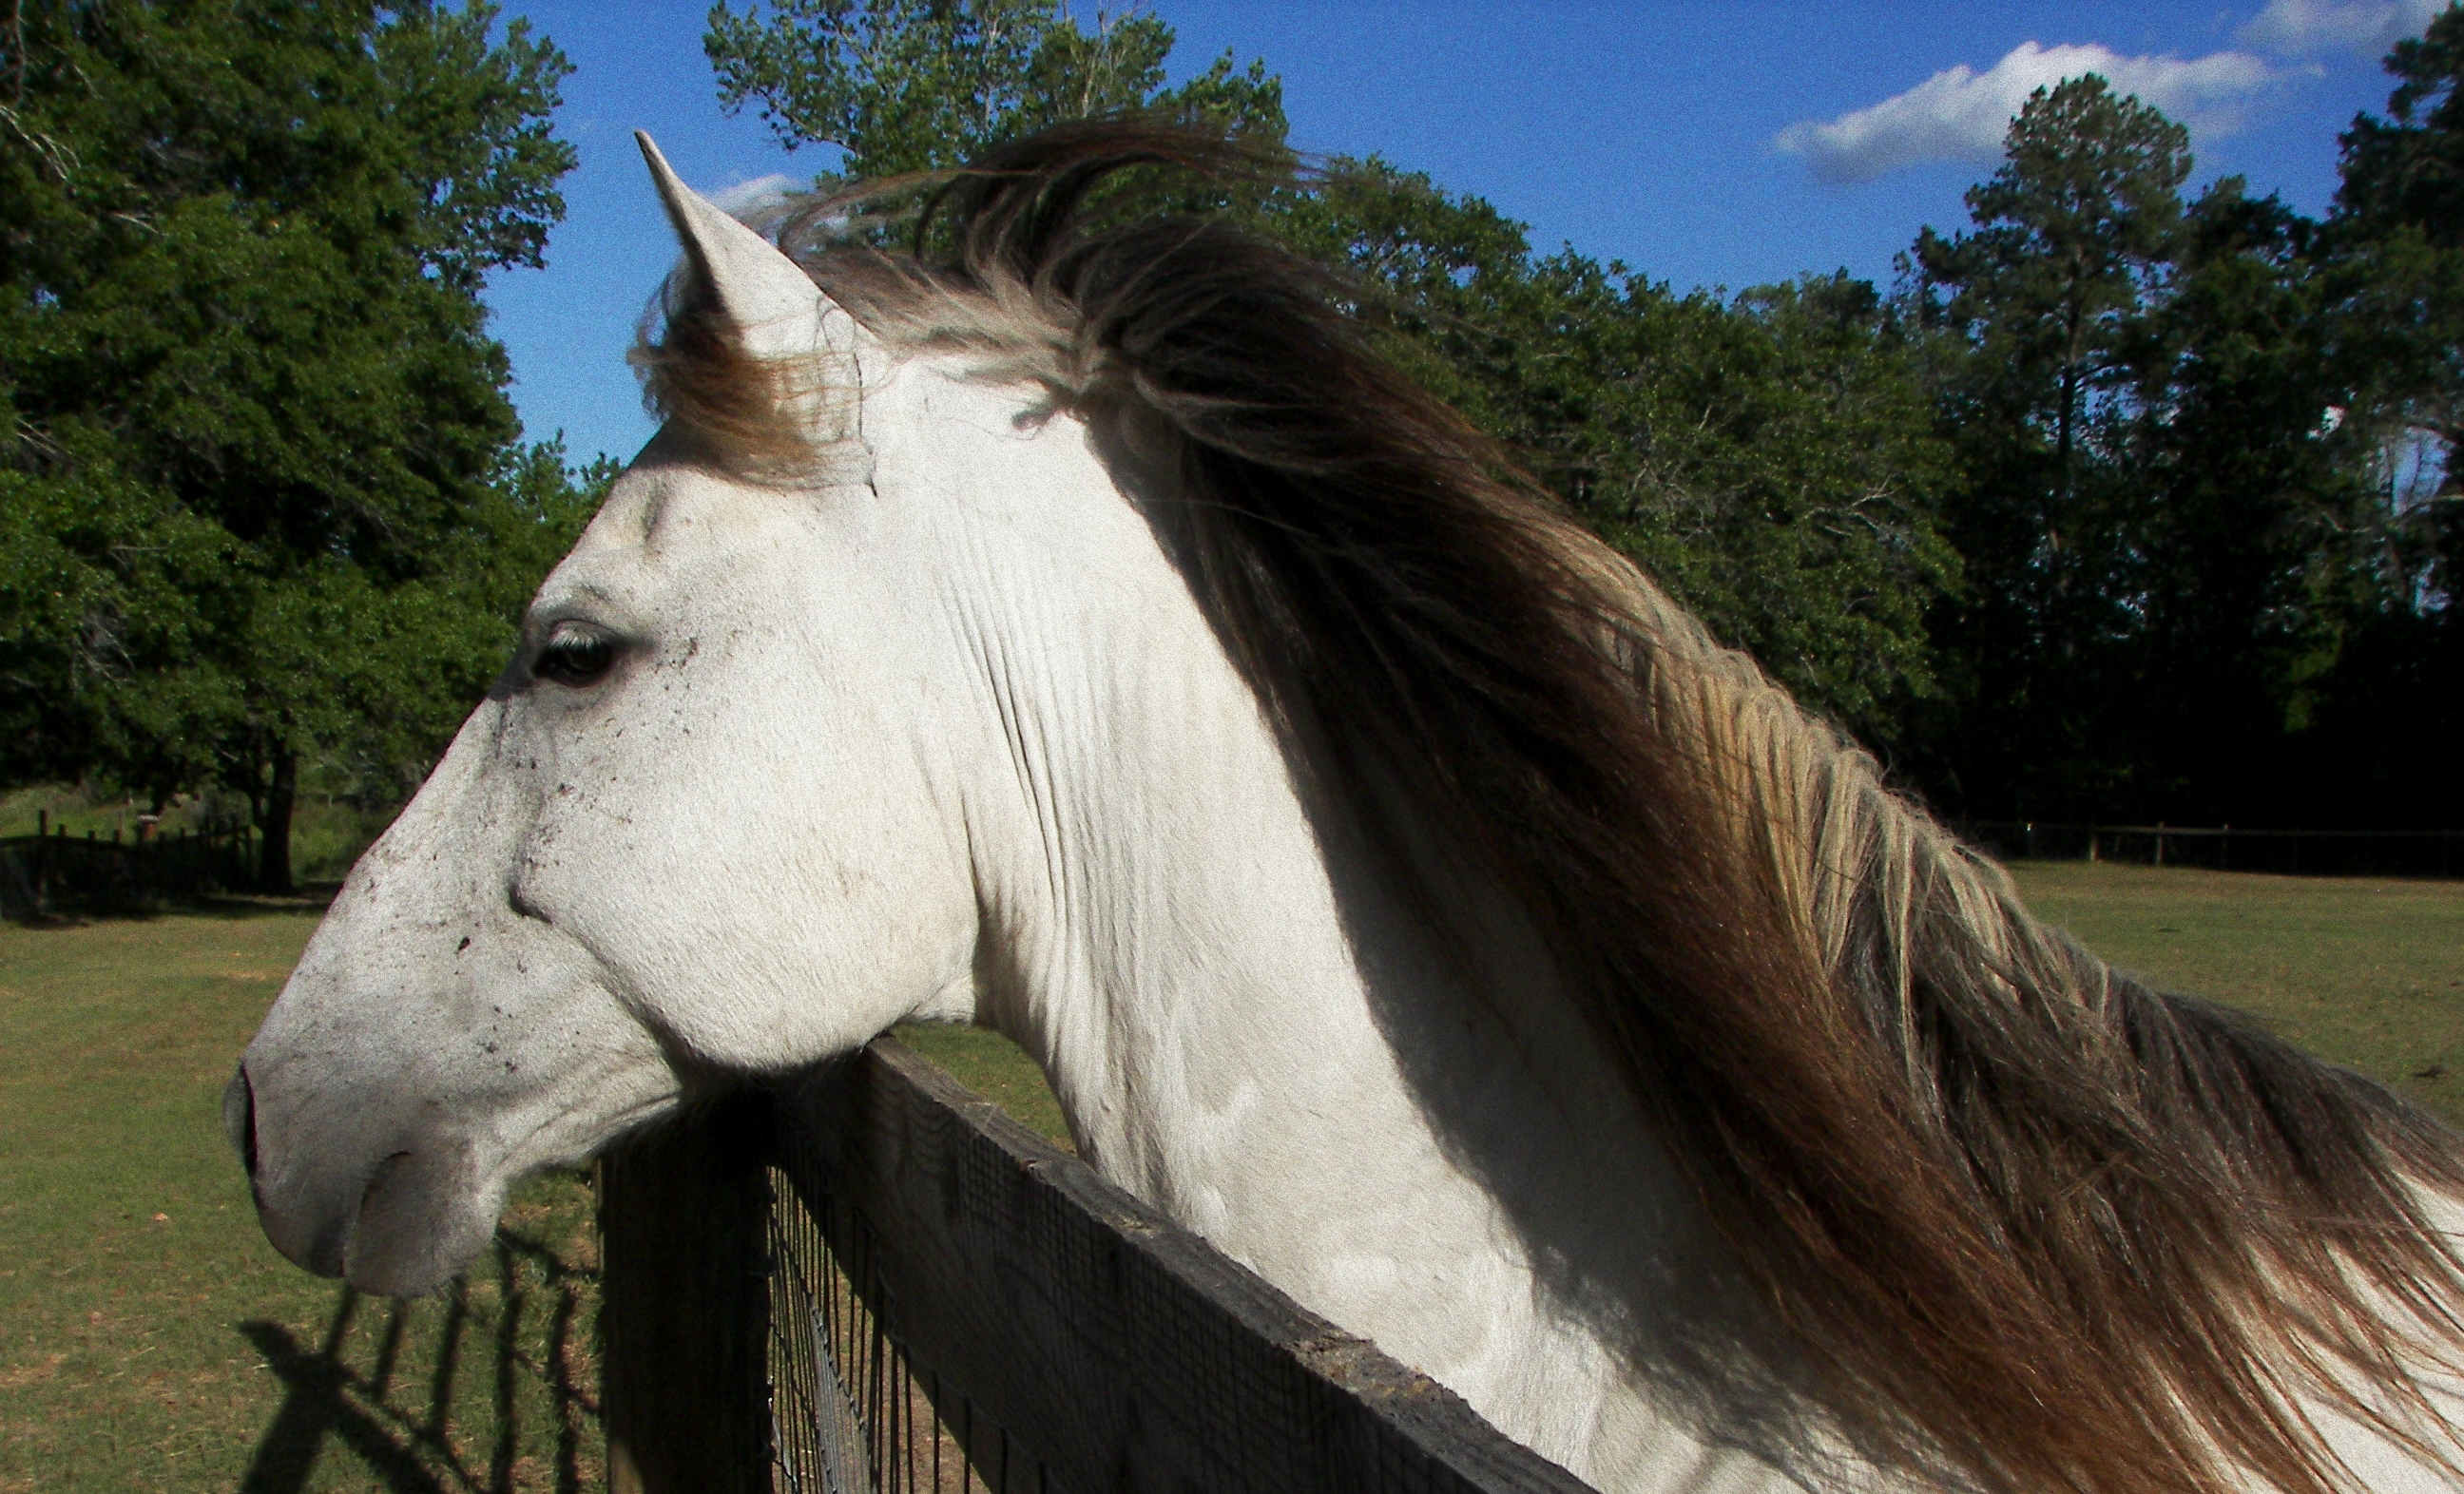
1087	636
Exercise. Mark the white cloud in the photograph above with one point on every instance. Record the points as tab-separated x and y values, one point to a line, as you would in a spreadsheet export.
1962	115
759	200
2309	28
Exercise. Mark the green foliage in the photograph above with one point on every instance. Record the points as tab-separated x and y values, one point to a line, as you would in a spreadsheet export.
917	85
1770	457
2196	542
1774	461
2072	236
2121	504
2090	318
2105	513
2408	171
2392	261
263	495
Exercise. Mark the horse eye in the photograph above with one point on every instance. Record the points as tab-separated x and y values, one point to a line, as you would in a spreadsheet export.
575	659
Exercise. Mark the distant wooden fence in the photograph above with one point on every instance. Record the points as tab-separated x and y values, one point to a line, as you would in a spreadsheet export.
56	873
873	1281
2418	854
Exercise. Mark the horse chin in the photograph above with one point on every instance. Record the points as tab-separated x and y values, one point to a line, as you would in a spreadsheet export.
424	1217
420	1218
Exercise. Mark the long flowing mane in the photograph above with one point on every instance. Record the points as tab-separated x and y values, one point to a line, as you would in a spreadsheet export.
2034	1224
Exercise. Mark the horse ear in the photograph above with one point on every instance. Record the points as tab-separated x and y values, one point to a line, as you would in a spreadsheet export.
774	307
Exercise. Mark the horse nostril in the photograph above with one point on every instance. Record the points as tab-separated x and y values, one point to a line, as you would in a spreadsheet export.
240	1119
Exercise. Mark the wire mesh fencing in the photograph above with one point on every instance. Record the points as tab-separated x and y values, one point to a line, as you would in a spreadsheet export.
851	1410
868	1281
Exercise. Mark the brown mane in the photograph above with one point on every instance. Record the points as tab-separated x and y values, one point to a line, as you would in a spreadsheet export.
2036	1225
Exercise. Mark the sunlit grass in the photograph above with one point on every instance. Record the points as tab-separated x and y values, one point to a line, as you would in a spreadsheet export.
151	1339
994	1067
2367	972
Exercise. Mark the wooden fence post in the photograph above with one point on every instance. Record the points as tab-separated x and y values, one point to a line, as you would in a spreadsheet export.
684	1319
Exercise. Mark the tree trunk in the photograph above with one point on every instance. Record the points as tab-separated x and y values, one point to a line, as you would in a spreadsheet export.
273	849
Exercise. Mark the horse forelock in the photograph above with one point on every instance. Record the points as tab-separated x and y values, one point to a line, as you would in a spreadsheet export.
2035	1225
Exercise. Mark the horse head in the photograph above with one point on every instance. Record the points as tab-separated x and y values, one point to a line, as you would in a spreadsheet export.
574	922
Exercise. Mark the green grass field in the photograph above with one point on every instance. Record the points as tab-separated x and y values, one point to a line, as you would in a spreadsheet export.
2366	971
149	1338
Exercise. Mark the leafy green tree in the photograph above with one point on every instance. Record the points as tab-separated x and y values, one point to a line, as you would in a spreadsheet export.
2397	240
916	85
264	500
2407	170
2393	253
1774	459
2180	428
2242	488
2073	239
1771	458
2072	234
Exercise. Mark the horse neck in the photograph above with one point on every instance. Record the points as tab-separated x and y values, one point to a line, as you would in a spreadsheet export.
1248	1026
1163	928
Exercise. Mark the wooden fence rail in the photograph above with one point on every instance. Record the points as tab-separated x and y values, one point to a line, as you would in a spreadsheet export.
950	1302
56	873
2225	848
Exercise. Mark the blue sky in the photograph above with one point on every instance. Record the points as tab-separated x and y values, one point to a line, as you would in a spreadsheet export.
1703	144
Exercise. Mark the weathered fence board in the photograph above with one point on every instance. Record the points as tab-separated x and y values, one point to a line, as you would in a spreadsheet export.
2417	853
684	1323
1121	1350
43	874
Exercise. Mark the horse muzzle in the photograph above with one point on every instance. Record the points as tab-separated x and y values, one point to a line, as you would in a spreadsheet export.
394	1209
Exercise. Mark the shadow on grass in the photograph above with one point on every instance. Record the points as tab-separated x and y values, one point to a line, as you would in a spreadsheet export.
410	1443
312	897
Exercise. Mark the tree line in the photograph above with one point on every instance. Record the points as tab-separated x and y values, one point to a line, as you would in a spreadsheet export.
2119	502
264	506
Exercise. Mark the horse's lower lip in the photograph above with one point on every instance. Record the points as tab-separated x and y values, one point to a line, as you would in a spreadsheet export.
377	1269
401	1231
420	1218
404	1237
312	1245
